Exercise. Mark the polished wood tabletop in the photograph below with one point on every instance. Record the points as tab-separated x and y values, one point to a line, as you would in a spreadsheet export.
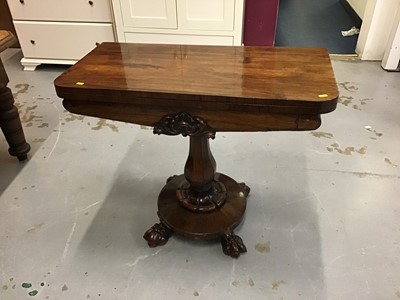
231	88
264	76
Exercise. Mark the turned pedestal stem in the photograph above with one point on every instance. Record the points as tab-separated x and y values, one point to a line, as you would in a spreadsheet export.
200	165
201	192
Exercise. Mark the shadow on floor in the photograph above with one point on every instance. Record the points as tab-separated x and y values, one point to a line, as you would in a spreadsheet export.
280	229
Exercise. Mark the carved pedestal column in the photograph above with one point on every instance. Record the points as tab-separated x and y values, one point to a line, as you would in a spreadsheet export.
200	204
201	192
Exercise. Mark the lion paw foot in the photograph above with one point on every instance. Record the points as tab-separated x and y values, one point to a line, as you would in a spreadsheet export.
158	235
232	245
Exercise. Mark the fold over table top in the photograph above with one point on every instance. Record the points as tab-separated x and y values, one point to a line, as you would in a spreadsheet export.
236	75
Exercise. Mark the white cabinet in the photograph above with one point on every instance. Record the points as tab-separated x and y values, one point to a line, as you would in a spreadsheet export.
60	32
203	22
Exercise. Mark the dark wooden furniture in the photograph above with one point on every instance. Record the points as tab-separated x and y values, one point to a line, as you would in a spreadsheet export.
6	22
10	122
197	91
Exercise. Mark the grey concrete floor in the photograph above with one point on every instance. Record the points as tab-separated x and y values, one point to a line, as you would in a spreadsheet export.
323	216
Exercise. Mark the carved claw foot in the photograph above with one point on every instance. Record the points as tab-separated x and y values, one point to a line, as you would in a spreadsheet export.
245	188
158	235
232	245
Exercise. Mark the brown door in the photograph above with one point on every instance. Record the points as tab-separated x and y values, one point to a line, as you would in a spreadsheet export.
6	20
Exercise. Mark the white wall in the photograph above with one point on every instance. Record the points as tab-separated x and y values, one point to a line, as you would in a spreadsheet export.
391	58
378	21
358	6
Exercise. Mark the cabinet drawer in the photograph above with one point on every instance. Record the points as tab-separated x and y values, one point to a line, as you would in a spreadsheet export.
59	40
188	39
55	10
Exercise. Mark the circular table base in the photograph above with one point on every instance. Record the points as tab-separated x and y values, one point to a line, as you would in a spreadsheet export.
218	223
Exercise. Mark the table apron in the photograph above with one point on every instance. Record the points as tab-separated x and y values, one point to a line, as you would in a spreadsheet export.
219	120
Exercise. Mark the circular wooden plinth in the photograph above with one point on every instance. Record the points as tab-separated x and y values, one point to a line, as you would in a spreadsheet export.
202	225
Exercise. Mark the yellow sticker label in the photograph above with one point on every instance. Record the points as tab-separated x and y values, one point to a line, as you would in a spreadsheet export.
80	83
323	95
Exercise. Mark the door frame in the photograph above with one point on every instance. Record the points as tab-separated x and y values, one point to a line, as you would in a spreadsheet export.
374	34
391	58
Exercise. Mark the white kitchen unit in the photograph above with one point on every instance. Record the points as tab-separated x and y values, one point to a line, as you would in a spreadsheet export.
199	22
60	32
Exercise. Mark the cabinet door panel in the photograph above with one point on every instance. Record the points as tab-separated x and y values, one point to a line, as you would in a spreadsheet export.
206	14
149	13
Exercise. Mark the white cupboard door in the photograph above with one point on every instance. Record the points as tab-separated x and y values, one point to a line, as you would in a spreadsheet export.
206	14
149	13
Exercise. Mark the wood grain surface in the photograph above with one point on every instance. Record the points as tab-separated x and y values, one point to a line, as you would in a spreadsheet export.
240	76
231	88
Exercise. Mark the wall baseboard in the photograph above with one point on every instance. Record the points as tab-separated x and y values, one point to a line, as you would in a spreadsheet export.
350	10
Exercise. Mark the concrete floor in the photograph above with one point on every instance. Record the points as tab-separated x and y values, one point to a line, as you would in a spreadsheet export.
323	217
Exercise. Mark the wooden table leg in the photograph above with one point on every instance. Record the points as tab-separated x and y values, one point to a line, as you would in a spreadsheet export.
10	122
201	203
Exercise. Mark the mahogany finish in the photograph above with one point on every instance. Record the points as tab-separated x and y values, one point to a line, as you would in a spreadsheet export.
265	86
10	122
196	91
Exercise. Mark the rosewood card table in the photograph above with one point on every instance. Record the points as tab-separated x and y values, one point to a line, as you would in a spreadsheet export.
197	91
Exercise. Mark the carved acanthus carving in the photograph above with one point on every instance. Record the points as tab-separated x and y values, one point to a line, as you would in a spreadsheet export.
202	202
185	124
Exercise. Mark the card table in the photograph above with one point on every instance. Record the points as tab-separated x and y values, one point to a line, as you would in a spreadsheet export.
197	91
